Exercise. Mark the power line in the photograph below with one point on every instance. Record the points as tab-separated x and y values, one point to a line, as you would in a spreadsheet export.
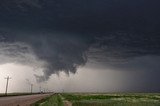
7	78
30	85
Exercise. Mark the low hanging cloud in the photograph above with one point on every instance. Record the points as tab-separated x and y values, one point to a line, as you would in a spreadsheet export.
57	52
17	52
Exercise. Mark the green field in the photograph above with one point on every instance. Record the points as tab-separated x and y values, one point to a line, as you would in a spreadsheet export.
113	99
86	99
54	100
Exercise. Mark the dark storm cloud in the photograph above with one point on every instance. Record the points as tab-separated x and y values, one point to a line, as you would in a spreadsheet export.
82	16
124	45
64	33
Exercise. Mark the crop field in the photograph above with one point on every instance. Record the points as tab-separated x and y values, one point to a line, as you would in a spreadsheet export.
86	99
113	99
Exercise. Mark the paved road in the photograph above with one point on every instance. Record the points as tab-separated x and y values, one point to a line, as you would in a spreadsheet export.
21	100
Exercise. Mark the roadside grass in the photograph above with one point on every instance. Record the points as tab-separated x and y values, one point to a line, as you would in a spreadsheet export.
113	99
54	100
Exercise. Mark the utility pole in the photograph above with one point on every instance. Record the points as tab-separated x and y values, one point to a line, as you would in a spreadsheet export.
40	91
7	78
31	88
44	90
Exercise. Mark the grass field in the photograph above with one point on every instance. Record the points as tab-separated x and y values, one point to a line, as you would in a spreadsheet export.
113	99
54	100
93	99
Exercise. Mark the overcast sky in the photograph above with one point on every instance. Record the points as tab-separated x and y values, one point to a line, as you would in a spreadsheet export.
85	46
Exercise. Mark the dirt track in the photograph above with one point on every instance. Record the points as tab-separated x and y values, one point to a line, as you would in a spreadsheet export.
67	103
21	100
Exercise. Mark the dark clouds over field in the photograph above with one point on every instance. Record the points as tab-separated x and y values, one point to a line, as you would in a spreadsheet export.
68	34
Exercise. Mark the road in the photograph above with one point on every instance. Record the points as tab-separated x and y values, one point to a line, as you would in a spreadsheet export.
21	100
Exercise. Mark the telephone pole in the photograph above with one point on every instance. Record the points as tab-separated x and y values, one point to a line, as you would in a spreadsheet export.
7	78
40	91
31	88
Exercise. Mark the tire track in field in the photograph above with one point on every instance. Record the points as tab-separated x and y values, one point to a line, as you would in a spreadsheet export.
66	102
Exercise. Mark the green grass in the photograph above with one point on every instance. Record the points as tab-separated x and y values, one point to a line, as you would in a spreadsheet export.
54	100
113	99
138	99
114	103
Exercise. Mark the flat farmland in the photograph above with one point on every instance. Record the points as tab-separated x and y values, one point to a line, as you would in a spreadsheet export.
113	99
99	99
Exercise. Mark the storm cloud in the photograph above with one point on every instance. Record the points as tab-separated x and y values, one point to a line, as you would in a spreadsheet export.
64	35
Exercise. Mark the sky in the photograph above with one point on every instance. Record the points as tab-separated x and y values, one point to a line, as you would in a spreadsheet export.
80	46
